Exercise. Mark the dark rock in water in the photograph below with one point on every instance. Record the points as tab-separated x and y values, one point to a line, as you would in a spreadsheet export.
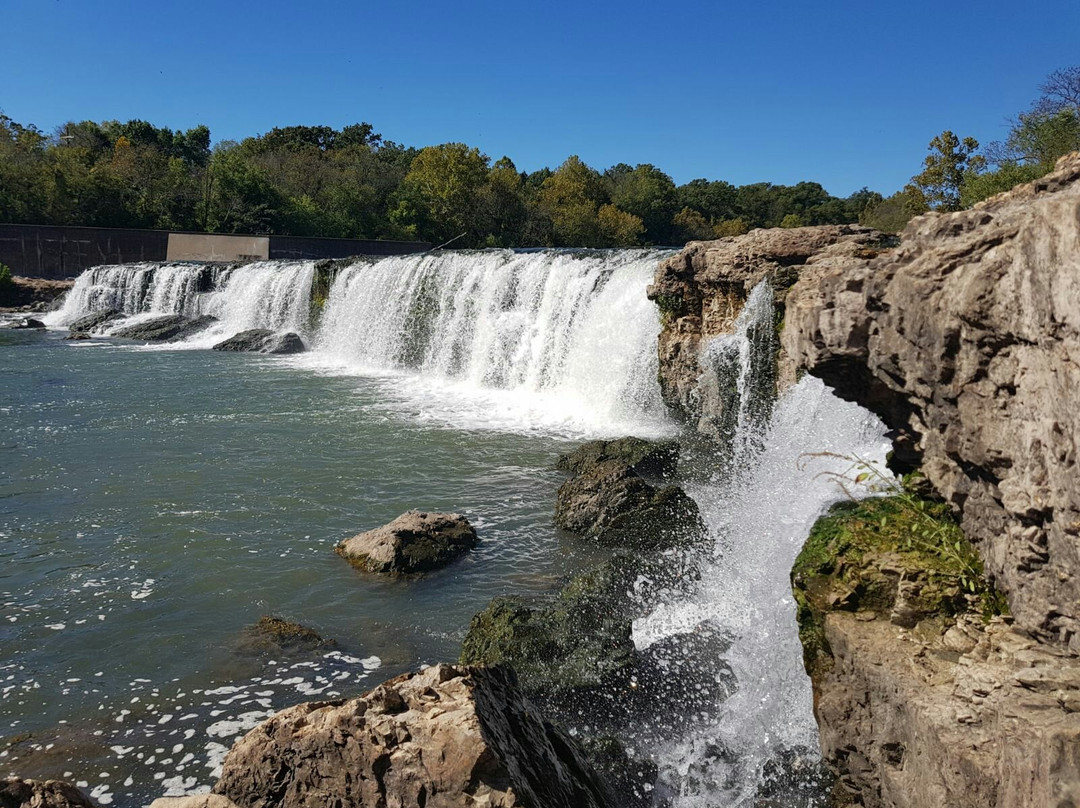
262	340
446	736
575	655
414	542
169	328
628	777
17	793
77	335
609	500
642	457
24	322
88	322
280	638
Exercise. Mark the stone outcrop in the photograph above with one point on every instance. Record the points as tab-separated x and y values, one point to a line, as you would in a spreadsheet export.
93	321
196	801
167	328
445	737
609	499
16	793
22	323
702	290
965	340
282	639
415	542
263	341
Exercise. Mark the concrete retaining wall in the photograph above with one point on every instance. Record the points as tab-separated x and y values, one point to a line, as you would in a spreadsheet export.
45	251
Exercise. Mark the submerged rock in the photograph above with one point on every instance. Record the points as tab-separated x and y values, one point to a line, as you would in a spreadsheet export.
17	793
415	542
77	335
169	328
608	499
96	319
264	341
280	638
447	736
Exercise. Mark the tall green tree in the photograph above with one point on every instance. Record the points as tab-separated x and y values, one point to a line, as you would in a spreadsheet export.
950	161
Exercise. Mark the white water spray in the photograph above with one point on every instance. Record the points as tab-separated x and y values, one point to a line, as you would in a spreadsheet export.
759	520
559	340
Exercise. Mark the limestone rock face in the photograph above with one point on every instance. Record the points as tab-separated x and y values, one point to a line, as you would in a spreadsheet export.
262	340
702	290
16	793
445	737
415	542
980	717
196	801
965	341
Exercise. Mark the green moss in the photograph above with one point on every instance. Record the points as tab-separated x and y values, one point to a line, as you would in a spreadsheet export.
856	555
672	307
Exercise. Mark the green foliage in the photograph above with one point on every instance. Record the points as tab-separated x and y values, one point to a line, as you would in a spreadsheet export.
890	215
950	161
351	183
5	277
792	220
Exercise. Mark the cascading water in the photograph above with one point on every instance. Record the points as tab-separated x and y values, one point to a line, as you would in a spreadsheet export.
556	339
264	294
759	511
136	289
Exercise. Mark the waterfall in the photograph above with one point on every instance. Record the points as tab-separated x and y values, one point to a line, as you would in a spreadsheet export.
563	340
265	294
759	508
135	289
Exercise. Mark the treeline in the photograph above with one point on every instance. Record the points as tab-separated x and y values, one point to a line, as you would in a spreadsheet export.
352	183
957	172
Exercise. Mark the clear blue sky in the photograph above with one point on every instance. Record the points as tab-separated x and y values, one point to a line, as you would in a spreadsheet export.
845	93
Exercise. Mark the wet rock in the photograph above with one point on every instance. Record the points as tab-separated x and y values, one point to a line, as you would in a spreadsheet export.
281	639
415	542
77	335
447	736
575	655
16	793
264	341
24	323
96	319
642	457
609	500
168	328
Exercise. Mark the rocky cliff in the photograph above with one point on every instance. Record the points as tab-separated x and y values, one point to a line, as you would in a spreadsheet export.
965	339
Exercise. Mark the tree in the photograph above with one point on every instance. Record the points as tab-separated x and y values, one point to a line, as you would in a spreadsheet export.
690	225
619	228
950	161
572	196
441	192
647	193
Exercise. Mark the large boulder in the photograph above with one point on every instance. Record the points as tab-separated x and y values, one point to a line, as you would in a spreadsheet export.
167	328
608	498
281	639
93	320
702	290
415	542
23	322
445	737
264	341
17	793
964	340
